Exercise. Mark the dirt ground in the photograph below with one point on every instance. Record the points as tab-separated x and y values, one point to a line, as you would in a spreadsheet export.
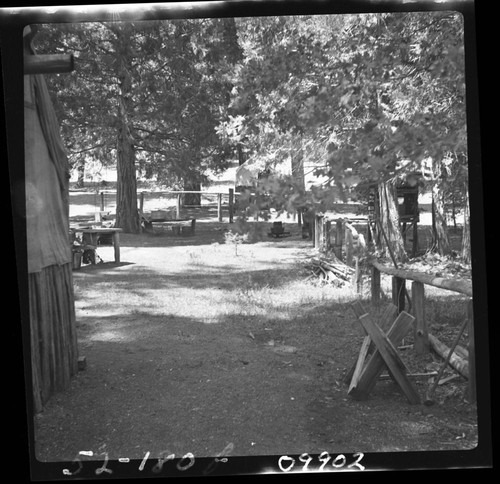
195	346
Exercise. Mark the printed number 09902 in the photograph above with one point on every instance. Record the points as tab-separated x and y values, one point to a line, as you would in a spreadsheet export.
287	463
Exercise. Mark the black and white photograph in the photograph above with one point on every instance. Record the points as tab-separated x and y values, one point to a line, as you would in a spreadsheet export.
248	237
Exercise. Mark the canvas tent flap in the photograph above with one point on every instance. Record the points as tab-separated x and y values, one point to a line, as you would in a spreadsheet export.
46	167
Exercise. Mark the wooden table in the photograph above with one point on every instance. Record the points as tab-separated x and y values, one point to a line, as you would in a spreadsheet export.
92	236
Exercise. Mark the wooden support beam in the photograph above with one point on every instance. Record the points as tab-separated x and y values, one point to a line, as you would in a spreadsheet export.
390	355
385	322
48	64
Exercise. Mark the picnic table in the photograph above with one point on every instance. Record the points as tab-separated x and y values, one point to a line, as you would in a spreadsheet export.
91	236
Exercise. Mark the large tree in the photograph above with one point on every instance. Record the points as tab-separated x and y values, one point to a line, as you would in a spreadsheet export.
380	92
146	95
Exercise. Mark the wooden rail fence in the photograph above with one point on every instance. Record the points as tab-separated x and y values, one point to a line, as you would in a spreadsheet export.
178	205
422	339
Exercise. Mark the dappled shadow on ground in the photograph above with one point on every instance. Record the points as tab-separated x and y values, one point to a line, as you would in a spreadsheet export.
268	386
200	276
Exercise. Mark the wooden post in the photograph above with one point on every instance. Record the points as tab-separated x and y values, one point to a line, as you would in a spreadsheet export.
348	247
327	225
102	201
219	207
472	354
357	275
415	238
231	204
178	206
398	292
339	237
421	335
375	283
141	203
299	217
116	246
318	231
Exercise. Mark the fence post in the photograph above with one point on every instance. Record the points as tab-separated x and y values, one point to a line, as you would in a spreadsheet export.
375	285
421	334
178	206
231	203
102	201
141	203
472	354
398	293
219	207
318	231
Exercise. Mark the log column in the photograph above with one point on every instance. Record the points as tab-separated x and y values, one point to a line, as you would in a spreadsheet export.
421	335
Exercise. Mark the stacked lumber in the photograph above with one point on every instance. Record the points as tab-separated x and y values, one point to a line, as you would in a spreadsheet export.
332	271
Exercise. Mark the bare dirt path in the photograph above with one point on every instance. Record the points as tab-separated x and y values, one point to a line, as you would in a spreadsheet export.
191	348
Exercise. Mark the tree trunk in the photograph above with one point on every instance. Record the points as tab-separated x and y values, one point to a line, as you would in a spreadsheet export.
389	222
297	161
441	242
127	214
466	247
81	174
192	199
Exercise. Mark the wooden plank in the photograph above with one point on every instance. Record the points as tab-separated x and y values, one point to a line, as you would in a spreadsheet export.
385	322
457	285
358	367
390	355
376	363
421	334
48	64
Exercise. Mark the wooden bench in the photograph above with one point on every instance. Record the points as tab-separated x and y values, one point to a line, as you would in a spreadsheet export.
184	226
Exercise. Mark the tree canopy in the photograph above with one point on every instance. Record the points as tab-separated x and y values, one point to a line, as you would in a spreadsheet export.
364	98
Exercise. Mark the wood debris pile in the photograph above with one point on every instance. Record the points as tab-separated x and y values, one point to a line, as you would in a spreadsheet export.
331	271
